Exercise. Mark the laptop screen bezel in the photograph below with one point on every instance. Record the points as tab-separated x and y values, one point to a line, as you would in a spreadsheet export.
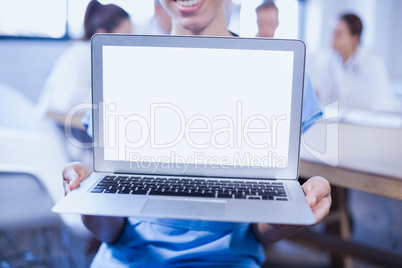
290	172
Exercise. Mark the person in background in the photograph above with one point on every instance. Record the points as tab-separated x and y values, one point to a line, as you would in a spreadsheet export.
160	23
267	19
353	75
232	14
156	242
69	82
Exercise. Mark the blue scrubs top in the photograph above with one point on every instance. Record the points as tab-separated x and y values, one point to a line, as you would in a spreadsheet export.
153	242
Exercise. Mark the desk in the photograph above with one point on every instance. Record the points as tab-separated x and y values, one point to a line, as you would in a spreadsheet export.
367	159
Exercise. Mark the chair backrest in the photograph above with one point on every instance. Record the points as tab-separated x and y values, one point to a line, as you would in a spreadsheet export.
24	202
35	152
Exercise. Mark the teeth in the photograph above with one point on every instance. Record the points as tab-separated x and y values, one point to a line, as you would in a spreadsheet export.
188	3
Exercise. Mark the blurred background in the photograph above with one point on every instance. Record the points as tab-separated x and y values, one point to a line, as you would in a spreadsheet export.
35	35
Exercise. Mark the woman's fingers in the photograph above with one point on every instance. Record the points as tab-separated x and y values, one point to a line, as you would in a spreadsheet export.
73	174
66	187
318	196
321	209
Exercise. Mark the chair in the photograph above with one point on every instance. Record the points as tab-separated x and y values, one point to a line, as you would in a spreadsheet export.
30	234
32	152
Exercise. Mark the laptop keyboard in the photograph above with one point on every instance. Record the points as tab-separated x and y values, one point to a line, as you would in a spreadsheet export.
191	187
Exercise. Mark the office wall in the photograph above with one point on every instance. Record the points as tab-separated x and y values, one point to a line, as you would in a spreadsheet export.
388	34
25	64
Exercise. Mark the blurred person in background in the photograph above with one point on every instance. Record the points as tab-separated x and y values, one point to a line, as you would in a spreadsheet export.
232	14
160	23
353	75
267	19
69	83
157	242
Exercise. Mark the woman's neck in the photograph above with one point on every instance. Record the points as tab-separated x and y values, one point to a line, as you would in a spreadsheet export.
347	54
217	27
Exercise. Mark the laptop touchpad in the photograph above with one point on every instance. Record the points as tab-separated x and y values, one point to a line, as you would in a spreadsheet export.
184	207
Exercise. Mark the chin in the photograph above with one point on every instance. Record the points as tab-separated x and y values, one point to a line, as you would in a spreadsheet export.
191	24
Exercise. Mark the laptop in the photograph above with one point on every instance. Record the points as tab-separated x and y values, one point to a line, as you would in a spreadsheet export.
196	128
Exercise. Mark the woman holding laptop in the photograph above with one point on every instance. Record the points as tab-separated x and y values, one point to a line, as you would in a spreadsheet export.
153	242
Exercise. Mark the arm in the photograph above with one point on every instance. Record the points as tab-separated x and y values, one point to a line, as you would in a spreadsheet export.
60	118
318	196
106	229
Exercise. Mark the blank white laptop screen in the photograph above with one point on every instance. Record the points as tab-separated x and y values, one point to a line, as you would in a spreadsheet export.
224	107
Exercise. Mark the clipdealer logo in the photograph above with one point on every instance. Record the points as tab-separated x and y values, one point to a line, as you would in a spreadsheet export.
330	154
239	130
232	131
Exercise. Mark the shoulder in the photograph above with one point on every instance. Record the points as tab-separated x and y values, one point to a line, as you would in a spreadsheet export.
78	50
369	57
76	58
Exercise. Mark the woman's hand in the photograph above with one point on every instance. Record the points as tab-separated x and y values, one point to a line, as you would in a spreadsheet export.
106	229
73	174
318	196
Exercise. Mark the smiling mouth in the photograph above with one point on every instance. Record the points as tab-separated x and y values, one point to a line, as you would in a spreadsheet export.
188	3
